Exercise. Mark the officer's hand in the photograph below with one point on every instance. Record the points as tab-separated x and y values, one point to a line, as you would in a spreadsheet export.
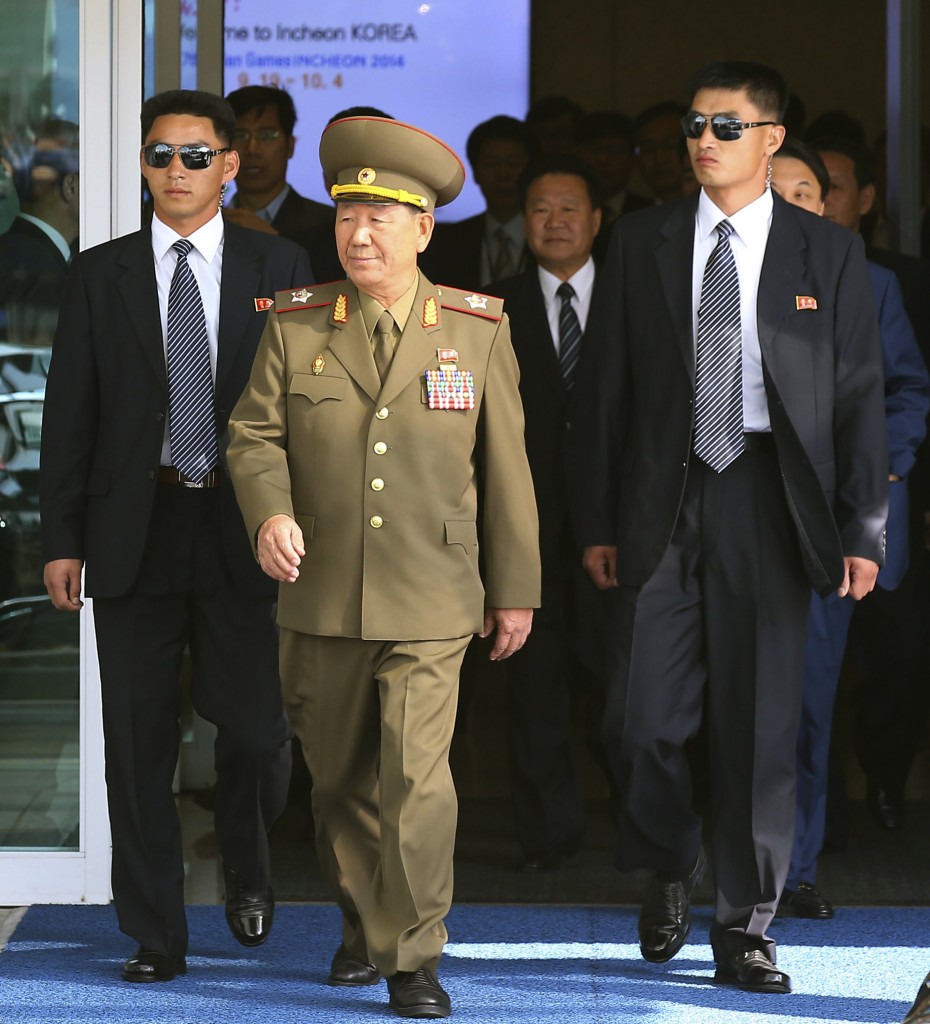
63	582
600	563
513	627
248	219
859	579
280	548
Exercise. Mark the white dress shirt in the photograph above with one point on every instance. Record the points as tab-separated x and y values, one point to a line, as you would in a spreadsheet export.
583	283
751	226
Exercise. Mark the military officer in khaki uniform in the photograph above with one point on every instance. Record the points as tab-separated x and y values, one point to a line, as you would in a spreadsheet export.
381	412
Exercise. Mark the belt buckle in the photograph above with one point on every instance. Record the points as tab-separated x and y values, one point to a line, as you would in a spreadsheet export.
193	483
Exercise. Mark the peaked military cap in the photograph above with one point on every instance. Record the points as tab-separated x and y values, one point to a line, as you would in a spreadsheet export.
379	160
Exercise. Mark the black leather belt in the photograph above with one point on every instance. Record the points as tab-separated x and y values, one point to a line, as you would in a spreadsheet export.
761	441
170	475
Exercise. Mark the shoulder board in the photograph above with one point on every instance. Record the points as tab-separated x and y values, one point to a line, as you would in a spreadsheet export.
311	296
475	303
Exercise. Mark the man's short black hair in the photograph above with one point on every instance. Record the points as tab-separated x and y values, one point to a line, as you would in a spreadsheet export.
765	87
359	112
559	163
256	98
655	111
500	127
548	108
862	157
194	103
798	150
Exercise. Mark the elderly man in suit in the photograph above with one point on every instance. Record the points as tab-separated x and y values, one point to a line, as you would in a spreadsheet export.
548	307
381	412
733	447
155	341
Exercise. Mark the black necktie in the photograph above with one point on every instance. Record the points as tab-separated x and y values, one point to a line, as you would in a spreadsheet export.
718	400
503	265
569	334
191	419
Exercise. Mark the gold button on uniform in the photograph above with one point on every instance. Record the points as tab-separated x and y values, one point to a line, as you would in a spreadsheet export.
380	448
377	484
377	522
382	414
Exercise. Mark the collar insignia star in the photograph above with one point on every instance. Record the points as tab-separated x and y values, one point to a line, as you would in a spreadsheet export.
477	301
302	295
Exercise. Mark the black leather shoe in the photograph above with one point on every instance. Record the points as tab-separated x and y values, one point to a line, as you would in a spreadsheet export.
805	901
418	994
346	970
753	971
249	912
665	916
919	1013
886	809
147	965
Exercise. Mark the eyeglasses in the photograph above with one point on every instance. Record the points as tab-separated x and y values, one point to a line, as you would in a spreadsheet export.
726	129
241	137
194	158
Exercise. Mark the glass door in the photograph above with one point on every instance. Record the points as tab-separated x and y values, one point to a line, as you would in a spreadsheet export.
70	73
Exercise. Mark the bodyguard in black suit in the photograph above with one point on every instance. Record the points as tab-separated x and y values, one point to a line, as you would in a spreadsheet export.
562	216
132	491
733	453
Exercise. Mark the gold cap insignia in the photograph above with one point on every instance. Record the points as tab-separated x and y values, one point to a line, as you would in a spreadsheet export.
341	309
367	176
318	365
430	313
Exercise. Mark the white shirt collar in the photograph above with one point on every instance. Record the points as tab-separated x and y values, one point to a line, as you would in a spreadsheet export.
53	233
582	281
206	239
749	223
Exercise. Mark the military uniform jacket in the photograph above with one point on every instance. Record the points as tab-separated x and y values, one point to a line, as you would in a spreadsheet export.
386	489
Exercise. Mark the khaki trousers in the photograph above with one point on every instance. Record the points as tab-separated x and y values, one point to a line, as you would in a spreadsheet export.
375	719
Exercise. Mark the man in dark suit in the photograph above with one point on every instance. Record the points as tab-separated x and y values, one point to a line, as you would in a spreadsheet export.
491	245
548	307
155	342
264	139
34	253
732	447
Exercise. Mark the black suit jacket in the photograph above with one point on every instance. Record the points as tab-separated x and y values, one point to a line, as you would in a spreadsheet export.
107	398
32	276
298	216
548	406
453	256
823	377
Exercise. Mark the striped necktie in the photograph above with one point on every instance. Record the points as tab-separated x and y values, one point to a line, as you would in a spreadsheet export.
718	400
191	418
569	334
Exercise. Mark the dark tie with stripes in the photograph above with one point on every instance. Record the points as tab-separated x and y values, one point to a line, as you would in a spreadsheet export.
191	419
718	400
569	334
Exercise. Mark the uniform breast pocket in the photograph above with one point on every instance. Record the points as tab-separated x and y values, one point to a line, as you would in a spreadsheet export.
317	388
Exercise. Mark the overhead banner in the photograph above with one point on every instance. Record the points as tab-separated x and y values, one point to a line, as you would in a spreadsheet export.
443	65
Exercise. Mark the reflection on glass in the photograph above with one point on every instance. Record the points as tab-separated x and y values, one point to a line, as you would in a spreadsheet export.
39	207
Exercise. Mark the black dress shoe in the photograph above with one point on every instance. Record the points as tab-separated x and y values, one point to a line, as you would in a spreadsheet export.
147	965
665	916
887	810
919	1013
346	970
249	912
418	994
805	901
753	971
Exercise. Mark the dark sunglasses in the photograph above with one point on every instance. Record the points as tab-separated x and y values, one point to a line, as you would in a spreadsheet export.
194	158
727	129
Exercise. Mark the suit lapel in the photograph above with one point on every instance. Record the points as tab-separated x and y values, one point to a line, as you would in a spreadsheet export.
139	293
239	285
549	367
349	344
674	257
782	278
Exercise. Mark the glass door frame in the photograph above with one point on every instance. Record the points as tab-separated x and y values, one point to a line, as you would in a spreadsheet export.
111	34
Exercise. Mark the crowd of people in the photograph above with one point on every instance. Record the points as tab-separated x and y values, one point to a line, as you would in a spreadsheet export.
653	423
